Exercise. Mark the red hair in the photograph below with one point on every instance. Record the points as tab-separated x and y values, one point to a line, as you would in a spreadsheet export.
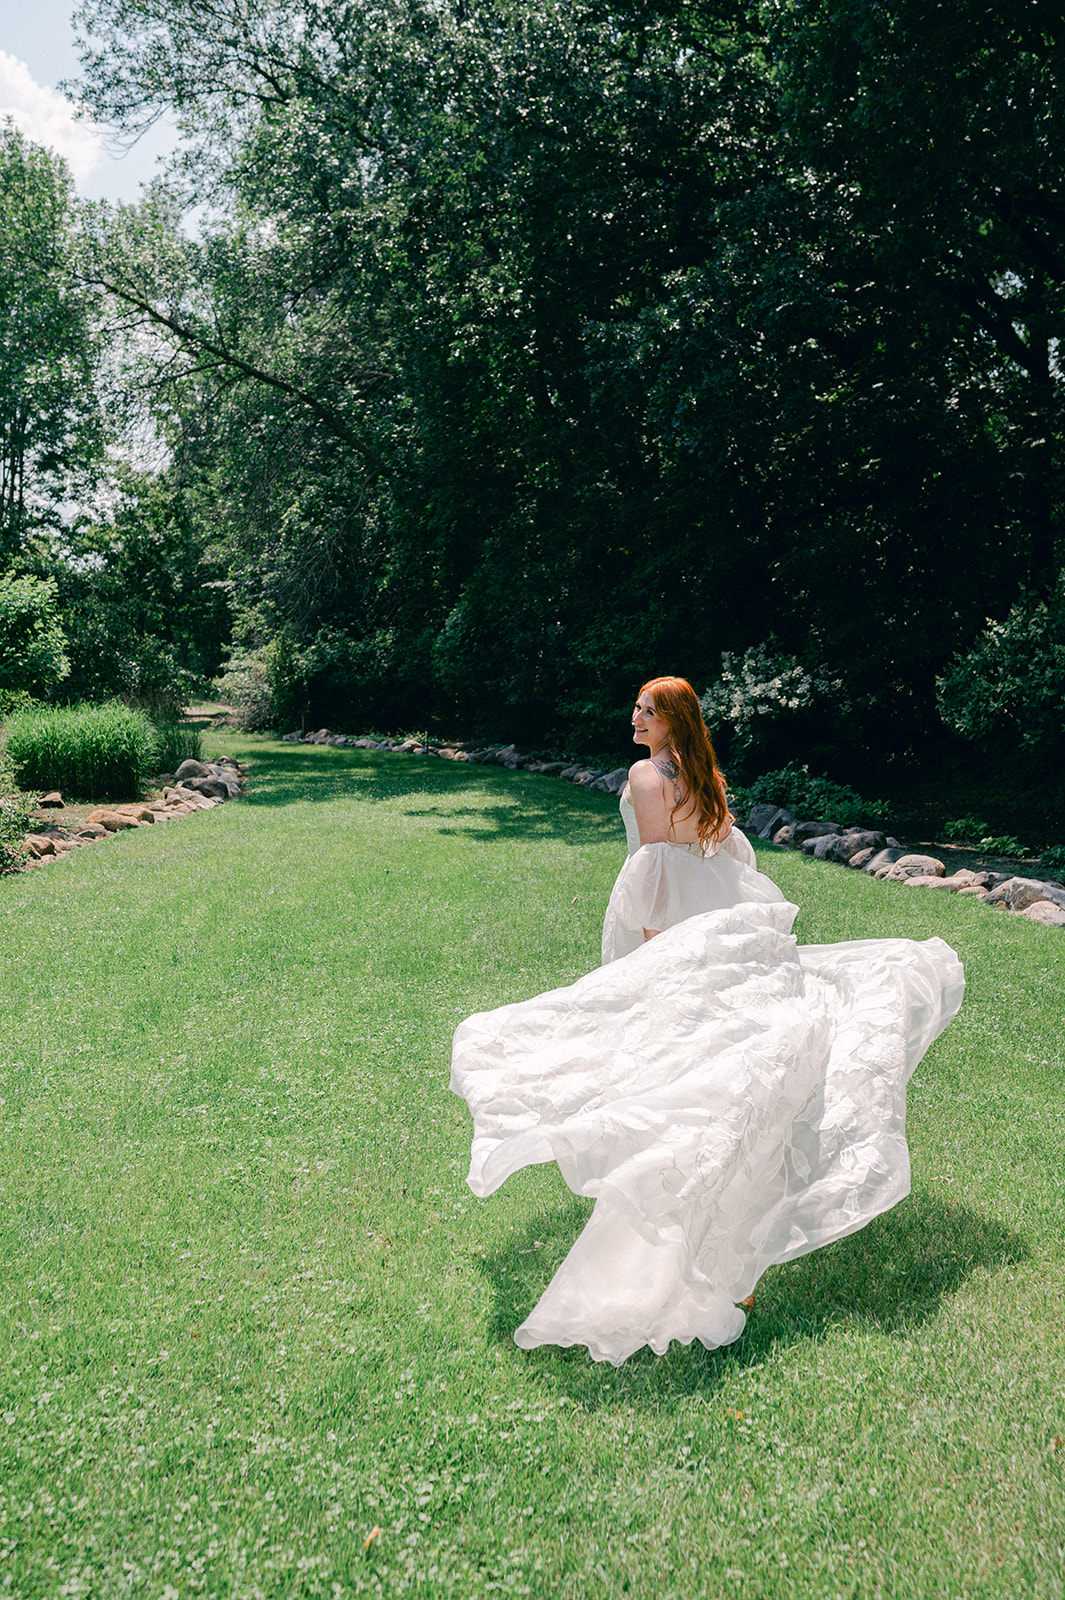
678	706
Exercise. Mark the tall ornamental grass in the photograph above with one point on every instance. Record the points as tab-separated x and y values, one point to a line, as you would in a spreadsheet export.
93	752
177	743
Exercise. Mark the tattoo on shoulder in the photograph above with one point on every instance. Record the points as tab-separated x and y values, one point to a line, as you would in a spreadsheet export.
671	772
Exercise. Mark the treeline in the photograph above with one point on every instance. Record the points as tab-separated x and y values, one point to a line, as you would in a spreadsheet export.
525	349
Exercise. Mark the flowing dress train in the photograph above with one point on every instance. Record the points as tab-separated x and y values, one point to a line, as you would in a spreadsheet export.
730	1099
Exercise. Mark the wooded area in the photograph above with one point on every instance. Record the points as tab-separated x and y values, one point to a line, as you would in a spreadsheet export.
522	349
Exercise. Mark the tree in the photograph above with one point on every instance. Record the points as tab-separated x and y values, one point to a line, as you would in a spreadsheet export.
33	645
51	434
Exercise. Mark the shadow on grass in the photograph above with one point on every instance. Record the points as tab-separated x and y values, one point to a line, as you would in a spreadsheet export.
529	805
891	1277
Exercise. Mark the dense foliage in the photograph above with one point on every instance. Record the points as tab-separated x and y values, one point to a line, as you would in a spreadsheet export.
51	433
527	348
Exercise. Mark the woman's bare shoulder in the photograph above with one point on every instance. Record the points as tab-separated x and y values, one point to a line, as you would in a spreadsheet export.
644	778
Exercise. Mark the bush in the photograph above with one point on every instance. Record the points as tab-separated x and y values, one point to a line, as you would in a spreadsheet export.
795	789
32	643
92	752
1013	678
245	685
967	827
16	815
1002	844
762	686
1054	858
177	743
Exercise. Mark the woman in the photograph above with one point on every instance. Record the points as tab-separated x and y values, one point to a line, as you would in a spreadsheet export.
729	1099
685	855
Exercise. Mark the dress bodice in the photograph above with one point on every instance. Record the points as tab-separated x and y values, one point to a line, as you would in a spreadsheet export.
632	832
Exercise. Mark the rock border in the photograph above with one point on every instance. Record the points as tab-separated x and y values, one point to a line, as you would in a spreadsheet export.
195	786
868	850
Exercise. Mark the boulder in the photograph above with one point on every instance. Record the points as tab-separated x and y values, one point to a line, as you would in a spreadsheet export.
839	847
1017	894
113	821
291	738
553	768
758	816
862	859
139	813
53	801
913	866
190	769
774	822
795	834
569	773
39	845
213	788
1045	911
612	782
962	879
91	831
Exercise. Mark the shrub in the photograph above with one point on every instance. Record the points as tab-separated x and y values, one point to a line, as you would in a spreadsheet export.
16	814
764	684
966	827
1013	677
796	789
32	644
177	743
1054	858
245	685
93	752
1002	844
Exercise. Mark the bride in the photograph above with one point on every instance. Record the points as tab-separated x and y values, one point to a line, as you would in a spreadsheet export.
730	1099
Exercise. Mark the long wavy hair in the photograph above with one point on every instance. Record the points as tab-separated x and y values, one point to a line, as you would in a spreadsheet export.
677	704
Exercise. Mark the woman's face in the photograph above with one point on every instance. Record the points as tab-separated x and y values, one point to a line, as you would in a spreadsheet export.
647	726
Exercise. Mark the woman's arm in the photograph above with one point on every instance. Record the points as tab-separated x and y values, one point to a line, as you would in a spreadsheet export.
648	796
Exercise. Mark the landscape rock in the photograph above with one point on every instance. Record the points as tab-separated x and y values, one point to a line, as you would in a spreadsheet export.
912	866
841	847
795	834
1045	911
294	738
962	879
113	821
52	801
774	822
139	813
758	816
1017	894
91	831
612	782
862	859
569	773
214	788
190	769
39	845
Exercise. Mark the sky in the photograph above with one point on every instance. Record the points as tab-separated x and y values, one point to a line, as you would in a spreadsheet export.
36	52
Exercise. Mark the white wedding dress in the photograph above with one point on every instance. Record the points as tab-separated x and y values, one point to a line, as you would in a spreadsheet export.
729	1098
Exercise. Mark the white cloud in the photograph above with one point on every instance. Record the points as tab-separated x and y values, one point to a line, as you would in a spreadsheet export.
48	118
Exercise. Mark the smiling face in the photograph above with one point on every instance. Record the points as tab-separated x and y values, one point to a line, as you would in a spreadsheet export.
647	726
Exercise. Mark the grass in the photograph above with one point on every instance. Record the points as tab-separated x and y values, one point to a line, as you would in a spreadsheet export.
91	752
252	1314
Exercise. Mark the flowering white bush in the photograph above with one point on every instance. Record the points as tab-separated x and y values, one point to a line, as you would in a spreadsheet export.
763	682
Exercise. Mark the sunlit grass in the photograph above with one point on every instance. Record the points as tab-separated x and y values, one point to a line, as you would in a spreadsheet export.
252	1313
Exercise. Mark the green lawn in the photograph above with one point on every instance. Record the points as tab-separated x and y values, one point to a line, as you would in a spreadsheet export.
252	1313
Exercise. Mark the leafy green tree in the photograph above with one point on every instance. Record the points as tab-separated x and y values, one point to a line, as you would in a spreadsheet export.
51	433
33	644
